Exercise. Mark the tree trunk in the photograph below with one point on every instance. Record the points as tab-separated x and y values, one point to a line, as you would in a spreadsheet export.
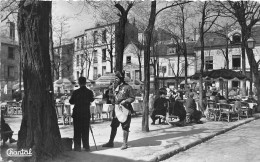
148	36
120	42
254	65
39	128
202	60
243	86
227	63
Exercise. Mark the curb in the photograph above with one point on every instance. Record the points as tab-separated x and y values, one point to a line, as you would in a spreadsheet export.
169	154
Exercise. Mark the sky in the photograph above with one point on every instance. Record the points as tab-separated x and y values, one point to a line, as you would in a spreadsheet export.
83	17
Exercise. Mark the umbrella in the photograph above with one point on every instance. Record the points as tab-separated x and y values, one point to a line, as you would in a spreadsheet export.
109	78
189	81
62	81
225	74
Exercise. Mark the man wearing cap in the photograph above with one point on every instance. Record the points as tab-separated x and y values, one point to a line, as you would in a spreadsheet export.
124	95
191	109
82	98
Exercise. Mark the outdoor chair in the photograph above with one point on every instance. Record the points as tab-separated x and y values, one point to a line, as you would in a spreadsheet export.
245	109
213	110
226	110
99	109
67	114
236	105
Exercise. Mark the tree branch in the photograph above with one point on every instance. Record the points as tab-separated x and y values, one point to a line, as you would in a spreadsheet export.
172	5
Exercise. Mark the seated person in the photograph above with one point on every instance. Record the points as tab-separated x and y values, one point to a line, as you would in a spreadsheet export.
178	109
6	132
160	106
191	110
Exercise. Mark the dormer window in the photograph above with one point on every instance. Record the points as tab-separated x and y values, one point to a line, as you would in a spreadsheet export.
236	38
171	50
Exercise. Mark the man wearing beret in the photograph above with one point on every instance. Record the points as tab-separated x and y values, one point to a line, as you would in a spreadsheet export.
82	98
123	96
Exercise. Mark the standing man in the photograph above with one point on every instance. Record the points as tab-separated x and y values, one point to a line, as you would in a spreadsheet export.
123	96
82	98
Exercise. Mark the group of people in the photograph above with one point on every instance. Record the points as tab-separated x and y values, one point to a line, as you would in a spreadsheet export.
174	105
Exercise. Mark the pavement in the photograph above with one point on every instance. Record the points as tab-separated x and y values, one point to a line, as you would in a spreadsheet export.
160	143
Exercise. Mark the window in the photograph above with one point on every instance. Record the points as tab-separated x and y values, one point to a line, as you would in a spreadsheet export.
95	56
95	73
172	50
12	30
162	69
236	38
10	52
236	61
128	74
77	43
10	71
104	68
137	74
77	60
82	42
82	60
77	74
128	59
104	36
235	84
209	62
151	70
104	57
95	37
171	69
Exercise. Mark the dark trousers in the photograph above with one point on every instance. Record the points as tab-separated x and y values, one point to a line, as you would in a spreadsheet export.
196	115
125	126
81	131
6	128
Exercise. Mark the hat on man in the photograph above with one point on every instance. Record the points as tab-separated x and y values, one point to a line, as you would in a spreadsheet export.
82	80
120	74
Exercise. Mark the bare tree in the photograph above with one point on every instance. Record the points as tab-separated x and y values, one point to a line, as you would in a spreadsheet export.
8	8
121	9
208	18
39	128
148	38
60	31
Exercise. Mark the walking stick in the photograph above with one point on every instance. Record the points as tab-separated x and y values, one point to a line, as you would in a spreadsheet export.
92	135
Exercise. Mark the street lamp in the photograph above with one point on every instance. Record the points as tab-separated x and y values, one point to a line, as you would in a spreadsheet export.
251	45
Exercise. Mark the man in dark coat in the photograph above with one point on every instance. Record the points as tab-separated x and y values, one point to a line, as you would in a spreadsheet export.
7	132
191	109
160	105
82	98
178	110
124	95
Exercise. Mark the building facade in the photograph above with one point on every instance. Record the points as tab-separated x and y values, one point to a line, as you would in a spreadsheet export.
63	61
94	50
9	61
215	52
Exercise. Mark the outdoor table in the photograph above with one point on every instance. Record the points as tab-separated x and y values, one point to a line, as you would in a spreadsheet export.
108	108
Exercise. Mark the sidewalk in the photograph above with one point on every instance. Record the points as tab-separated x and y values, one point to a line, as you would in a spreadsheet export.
160	143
